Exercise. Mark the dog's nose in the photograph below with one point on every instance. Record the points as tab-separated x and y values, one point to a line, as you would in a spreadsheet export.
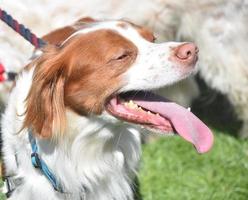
186	54
186	51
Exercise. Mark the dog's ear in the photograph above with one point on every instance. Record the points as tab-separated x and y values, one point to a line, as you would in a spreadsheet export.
58	36
45	111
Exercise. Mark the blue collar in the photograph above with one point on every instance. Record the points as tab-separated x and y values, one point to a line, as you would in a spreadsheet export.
41	165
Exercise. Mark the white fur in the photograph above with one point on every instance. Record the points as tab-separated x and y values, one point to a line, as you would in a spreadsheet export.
98	156
91	155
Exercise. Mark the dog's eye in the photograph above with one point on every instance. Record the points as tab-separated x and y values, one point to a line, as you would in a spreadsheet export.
121	57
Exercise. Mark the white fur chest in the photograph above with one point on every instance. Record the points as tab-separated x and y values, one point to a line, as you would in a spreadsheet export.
101	157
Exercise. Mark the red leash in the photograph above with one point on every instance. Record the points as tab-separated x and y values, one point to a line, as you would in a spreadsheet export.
24	32
21	29
2	71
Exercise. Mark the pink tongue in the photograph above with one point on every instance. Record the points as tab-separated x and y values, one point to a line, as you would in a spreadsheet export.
185	123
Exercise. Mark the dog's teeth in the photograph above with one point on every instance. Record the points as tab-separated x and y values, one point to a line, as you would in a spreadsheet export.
135	106
131	102
149	113
157	115
189	109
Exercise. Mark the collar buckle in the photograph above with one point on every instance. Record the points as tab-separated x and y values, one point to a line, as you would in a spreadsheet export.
36	160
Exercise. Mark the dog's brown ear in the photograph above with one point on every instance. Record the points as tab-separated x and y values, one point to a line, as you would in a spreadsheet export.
58	36
45	111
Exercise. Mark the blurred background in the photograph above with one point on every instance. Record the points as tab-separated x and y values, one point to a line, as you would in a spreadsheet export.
218	93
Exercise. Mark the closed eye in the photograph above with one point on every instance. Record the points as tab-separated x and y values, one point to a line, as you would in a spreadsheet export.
122	56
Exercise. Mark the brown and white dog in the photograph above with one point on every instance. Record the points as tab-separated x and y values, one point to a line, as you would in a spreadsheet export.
83	98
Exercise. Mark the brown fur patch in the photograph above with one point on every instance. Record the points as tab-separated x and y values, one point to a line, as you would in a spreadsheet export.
86	20
123	25
81	76
59	35
143	31
146	33
97	69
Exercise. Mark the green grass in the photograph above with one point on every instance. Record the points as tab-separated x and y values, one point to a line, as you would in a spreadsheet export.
172	170
2	197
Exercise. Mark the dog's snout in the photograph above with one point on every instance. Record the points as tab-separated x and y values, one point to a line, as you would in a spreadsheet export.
186	54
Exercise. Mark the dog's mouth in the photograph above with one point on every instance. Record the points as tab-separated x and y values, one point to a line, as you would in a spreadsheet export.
155	112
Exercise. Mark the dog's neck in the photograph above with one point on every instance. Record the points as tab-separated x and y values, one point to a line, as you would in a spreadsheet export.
95	154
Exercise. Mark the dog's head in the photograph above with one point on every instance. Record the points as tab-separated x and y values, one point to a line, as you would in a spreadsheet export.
96	66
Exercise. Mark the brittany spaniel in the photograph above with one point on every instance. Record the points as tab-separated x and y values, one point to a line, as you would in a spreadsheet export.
81	101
